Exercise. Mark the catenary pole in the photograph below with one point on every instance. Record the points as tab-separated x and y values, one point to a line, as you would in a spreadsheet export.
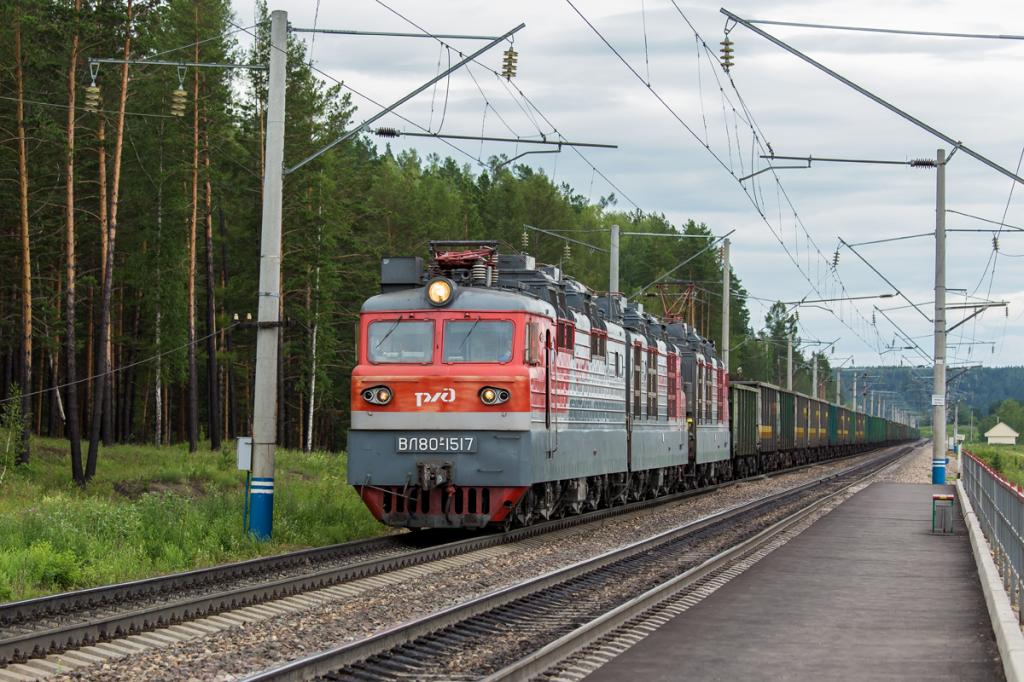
726	276
854	392
939	373
613	267
789	362
814	375
839	387
264	427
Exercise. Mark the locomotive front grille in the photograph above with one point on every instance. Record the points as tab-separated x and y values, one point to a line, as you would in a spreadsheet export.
414	500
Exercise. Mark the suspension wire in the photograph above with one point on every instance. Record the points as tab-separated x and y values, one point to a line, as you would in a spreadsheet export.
758	136
312	41
373	101
995	240
433	90
647	56
720	161
700	91
115	370
485	98
526	110
1002	225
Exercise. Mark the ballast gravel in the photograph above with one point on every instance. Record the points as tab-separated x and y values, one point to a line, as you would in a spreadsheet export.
917	468
244	649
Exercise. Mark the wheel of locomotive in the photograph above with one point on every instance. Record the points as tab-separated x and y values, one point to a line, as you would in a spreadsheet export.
524	510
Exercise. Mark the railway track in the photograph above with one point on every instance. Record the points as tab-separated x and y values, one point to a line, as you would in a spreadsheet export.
38	627
522	631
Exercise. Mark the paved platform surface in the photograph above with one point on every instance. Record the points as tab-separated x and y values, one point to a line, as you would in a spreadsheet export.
865	593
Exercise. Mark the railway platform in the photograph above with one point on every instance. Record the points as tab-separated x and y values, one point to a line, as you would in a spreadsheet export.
866	592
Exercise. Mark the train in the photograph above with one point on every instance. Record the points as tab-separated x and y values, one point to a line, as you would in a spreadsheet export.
491	391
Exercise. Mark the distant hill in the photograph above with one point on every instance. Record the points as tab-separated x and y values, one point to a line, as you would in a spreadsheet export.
982	388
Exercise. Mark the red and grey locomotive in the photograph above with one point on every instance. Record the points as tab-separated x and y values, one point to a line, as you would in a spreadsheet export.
493	391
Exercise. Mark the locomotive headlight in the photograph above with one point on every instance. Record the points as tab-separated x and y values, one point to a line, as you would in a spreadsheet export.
378	395
439	292
493	396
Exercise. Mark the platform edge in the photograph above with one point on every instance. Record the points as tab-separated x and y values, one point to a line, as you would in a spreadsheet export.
1004	621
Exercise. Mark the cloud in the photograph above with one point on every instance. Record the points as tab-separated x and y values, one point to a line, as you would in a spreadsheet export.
966	89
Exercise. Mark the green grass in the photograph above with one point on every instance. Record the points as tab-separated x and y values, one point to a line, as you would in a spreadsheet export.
1008	460
153	510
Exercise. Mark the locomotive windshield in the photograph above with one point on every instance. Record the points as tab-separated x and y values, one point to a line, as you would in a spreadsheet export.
477	341
399	340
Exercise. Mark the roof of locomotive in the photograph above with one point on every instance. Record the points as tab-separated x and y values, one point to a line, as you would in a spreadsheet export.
466	298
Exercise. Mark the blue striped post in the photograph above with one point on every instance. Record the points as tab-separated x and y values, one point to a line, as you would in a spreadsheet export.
261	507
939	471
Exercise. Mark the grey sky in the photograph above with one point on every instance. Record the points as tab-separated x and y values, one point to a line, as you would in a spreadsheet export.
969	89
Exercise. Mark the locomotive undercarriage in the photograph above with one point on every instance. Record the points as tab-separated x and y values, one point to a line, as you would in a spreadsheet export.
556	499
455	506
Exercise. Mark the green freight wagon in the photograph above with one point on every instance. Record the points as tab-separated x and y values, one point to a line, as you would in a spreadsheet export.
786	439
745	410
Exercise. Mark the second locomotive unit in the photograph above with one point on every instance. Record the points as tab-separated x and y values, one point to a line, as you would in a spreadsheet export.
493	391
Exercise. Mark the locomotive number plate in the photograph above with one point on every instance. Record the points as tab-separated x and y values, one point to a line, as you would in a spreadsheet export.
436	444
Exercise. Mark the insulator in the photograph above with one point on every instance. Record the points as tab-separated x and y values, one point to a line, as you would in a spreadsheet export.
922	163
387	132
508	64
526	240
995	243
727	51
480	272
92	98
873	317
178	100
566	252
835	259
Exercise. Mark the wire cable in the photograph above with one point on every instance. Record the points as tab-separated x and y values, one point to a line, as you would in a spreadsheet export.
719	159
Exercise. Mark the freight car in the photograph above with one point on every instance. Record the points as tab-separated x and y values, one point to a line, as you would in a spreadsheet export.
493	391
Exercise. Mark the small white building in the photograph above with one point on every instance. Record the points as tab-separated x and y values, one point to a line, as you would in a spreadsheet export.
1001	434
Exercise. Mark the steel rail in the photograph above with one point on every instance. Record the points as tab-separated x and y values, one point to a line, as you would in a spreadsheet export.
70	635
331	660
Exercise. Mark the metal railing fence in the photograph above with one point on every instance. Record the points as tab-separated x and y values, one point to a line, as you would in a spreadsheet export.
999	508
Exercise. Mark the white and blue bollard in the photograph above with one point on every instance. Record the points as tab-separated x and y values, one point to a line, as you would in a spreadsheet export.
939	471
261	507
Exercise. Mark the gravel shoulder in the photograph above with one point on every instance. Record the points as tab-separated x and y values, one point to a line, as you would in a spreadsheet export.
917	468
237	651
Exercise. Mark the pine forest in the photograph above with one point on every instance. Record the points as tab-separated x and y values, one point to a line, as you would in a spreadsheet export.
130	226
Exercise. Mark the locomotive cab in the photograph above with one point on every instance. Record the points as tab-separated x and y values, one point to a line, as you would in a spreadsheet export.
443	401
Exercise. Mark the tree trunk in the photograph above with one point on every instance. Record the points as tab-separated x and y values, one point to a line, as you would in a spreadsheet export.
193	381
212	373
26	255
229	369
108	275
158	430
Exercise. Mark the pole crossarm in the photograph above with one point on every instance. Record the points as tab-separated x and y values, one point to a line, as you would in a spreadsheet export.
391	34
905	337
870	95
157	62
978	310
370	121
392	132
897	31
568	239
771	168
691	258
812	159
884	278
